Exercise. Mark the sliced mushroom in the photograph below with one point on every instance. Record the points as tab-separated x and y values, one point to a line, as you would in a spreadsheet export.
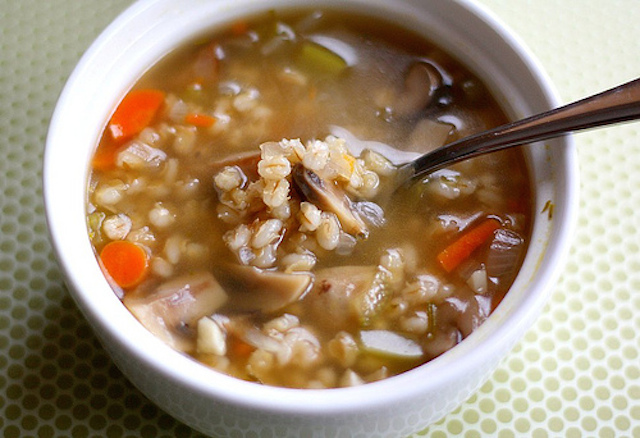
328	197
421	84
173	310
261	290
390	344
428	135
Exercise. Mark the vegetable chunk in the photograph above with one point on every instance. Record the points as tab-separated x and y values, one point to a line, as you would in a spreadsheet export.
461	249
135	112
388	343
340	296
125	262
262	290
175	307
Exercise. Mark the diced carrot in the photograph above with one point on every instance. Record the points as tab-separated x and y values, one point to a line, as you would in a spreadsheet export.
125	262
241	349
200	120
135	112
105	156
461	248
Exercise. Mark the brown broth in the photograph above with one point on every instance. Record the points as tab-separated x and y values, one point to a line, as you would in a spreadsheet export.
371	310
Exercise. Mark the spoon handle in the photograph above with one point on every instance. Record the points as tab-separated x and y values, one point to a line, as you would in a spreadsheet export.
616	105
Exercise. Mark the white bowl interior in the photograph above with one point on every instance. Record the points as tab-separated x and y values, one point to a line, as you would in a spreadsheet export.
150	29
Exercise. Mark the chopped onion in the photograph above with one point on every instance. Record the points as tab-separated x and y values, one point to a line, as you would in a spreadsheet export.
257	339
478	281
504	253
484	305
178	110
211	338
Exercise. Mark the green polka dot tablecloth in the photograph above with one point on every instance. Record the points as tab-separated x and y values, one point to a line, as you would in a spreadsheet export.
575	374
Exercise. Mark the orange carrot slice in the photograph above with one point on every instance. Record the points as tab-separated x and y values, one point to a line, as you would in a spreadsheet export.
241	349
135	112
105	156
125	262
460	249
200	120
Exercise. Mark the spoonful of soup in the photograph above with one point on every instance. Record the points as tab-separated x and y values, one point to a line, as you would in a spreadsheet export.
615	105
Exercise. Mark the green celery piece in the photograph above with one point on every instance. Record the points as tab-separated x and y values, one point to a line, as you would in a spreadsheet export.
371	300
317	57
94	223
431	318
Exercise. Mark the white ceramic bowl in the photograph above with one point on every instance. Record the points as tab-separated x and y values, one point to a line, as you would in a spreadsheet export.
224	406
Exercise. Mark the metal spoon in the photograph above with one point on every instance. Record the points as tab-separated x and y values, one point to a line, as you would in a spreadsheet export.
616	105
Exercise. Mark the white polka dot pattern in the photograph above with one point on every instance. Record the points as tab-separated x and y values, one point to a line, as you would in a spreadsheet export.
575	374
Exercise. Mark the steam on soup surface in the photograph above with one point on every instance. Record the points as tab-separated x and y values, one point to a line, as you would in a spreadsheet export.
234	218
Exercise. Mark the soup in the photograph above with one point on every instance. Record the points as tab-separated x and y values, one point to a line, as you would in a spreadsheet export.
242	203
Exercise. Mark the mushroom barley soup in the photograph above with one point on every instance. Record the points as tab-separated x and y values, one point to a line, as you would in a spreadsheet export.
240	202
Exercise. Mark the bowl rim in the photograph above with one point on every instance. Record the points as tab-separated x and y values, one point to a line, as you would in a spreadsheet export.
146	348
